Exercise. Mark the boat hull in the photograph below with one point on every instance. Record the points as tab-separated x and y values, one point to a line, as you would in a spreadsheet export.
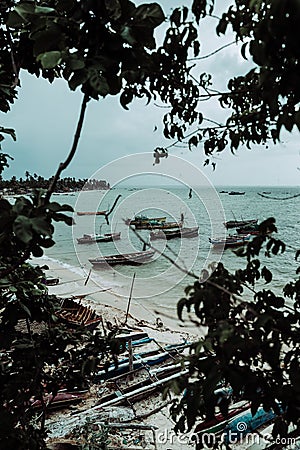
230	242
240	223
173	234
91	239
91	213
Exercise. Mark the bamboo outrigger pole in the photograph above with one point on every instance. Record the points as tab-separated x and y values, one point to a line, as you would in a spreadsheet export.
129	299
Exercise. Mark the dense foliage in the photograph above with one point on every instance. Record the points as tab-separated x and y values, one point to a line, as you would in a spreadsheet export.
31	182
106	47
251	339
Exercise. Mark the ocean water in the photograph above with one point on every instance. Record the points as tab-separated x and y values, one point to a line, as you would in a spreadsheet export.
159	284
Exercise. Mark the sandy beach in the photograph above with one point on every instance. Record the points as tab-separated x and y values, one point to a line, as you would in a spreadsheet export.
112	306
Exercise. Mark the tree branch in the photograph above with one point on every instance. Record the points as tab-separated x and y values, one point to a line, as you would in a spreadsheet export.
64	165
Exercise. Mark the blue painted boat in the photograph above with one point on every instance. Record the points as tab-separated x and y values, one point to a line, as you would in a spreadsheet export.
246	423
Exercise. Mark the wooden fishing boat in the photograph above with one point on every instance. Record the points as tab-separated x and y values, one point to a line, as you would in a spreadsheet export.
236	193
219	422
91	238
240	223
75	314
58	401
154	225
230	241
124	259
142	389
142	359
91	213
253	230
177	233
144	219
248	229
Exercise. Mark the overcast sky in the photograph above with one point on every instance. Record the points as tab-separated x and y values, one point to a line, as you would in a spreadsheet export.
45	117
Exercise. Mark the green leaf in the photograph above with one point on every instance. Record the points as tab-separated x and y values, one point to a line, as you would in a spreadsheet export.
49	59
43	10
150	14
41	226
22	229
76	64
125	98
127	35
9	131
266	274
176	17
180	305
55	207
78	78
25	9
99	84
24	307
113	8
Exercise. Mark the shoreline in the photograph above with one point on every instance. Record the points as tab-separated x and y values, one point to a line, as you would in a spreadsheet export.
153	410
101	294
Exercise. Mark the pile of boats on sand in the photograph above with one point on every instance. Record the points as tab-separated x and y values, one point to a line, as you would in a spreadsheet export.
144	355
143	369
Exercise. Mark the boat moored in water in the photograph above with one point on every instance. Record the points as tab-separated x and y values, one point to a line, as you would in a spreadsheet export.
91	213
124	259
176	233
91	238
230	241
240	223
142	220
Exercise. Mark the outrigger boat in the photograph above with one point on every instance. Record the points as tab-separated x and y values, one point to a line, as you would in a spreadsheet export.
230	241
240	223
153	225
75	314
91	213
177	233
144	220
124	259
91	238
250	423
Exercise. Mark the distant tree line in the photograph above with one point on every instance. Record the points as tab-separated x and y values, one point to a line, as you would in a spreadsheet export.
24	185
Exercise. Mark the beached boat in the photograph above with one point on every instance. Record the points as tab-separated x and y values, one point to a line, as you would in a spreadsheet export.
177	233
75	314
91	238
60	400
219	422
240	223
231	241
91	213
124	259
144	219
142	389
142	359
